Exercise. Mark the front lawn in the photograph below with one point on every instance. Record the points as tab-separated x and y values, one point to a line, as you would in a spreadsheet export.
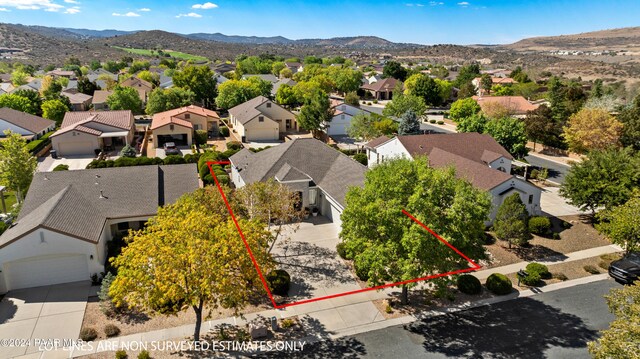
9	200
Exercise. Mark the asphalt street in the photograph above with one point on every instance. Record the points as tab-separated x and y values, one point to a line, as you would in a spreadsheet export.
556	171
557	324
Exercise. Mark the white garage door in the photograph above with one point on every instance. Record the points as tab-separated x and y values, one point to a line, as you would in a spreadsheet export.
337	128
46	270
76	148
262	134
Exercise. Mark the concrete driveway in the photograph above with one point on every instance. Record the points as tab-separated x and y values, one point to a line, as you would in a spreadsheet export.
183	149
552	203
51	312
47	164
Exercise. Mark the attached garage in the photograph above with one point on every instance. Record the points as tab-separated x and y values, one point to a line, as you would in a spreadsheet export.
330	209
46	270
75	148
338	125
178	139
75	143
262	134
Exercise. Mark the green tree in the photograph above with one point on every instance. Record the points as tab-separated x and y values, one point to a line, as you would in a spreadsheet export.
512	221
439	71
50	88
540	127
409	124
623	335
466	75
621	224
351	98
54	110
139	66
387	246
286	96
474	123
486	82
403	103
463	108
385	126
605	179
87	87
395	70
95	64
35	101
161	100
16	164
125	98
200	81
509	133
630	119
315	112
361	127
428	89
19	78
502	90
519	75
277	67
17	103
312	60
208	267
151	77
597	89
235	92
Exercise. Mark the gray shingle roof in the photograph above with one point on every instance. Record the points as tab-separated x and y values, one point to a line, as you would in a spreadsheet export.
24	120
246	111
70	201
266	77
331	170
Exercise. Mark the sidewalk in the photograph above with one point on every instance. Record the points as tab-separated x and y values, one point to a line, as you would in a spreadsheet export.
352	314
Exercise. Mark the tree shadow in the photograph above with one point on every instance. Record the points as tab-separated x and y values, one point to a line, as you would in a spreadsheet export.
536	252
8	310
522	328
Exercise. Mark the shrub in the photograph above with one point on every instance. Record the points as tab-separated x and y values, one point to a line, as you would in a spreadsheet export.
440	122
534	174
287	323
432	121
3	227
121	354
342	251
361	157
228	153
223	131
61	167
128	151
374	101
111	330
560	276
224	180
499	284
469	284
388	309
591	269
532	279
144	355
556	235
279	281
539	225
361	271
174	160
540	269
234	145
200	137
566	225
192	157
88	334
106	305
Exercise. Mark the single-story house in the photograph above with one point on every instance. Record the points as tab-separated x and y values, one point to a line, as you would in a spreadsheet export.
82	133
276	86
320	174
294	66
260	119
223	68
62	73
79	101
143	87
342	115
179	125
381	90
31	127
265	77
99	100
477	83
477	158
518	106
33	85
68	217
96	74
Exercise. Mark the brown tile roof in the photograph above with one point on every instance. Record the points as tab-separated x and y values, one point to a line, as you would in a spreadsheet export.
100	96
24	120
500	80
165	120
136	82
480	148
517	104
77	98
377	141
78	121
388	84
479	175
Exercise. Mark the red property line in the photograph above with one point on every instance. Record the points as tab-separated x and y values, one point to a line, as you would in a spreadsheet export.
474	267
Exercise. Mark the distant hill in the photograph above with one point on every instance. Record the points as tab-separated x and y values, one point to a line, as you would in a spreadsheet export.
353	42
99	33
236	39
615	39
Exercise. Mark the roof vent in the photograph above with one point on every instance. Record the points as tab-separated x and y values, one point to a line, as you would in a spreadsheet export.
45	177
102	195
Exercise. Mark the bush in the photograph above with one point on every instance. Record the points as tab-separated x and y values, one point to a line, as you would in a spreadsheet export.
228	153
556	235
201	137
174	160
287	323
106	305
532	279
144	355
540	269
88	334
223	131
224	180
534	174
61	167
469	284
279	281
121	354
591	269
361	157
560	276
539	225
234	145
440	122
128	151
192	157
432	121
111	330
374	101
499	284
342	251
361	270
3	227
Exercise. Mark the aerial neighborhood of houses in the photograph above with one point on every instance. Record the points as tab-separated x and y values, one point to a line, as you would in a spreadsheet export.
105	163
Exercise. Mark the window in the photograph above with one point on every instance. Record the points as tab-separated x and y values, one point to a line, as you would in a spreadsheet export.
261	119
187	116
313	195
342	116
268	104
530	198
197	127
288	124
171	127
123	226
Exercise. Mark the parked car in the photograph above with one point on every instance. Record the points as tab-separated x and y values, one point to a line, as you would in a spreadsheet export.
627	269
171	149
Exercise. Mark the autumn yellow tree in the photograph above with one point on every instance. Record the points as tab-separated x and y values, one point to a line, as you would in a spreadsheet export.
191	255
592	129
497	110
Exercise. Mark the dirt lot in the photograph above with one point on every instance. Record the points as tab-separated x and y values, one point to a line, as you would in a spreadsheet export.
581	235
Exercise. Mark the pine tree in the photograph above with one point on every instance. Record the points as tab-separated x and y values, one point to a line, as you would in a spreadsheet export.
409	124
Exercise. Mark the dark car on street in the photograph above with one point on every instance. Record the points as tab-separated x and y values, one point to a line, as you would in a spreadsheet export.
171	149
627	269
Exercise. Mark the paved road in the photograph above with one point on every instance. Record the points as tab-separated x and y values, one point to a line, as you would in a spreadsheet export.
557	324
555	170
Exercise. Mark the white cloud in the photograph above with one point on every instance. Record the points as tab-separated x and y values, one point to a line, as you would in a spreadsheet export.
435	3
72	10
144	9
463	4
72	2
205	6
409	4
129	14
46	5
191	14
419	5
4	9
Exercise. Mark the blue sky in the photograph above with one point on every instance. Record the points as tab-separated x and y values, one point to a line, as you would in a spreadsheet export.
423	22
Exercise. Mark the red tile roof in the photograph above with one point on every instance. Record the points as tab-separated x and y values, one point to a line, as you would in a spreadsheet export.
517	104
164	118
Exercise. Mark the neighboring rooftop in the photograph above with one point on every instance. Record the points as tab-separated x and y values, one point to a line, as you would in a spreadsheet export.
266	77
518	104
24	120
100	96
388	84
78	203
299	159
77	120
246	111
